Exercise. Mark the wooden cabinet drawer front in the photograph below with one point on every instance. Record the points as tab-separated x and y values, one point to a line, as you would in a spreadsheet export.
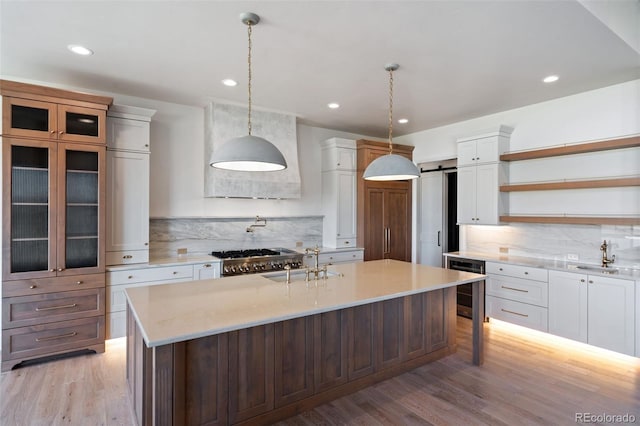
517	271
127	257
520	290
51	338
50	285
42	308
522	314
149	274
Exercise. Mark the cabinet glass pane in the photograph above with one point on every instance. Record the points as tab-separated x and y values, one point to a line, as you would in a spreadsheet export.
29	209
29	255
81	124
81	224
29	118
82	253
82	221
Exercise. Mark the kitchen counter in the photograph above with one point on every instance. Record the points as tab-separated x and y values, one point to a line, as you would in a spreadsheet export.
558	265
250	350
176	312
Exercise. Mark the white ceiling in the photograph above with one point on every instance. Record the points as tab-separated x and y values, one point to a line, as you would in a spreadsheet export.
458	59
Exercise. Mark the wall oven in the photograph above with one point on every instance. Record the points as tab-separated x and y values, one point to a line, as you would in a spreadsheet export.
464	295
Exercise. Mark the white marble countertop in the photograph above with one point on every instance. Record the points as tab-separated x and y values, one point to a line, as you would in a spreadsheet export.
330	249
558	265
166	261
176	312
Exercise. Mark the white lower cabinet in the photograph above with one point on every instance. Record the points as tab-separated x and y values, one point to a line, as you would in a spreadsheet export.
517	294
119	280
593	309
335	257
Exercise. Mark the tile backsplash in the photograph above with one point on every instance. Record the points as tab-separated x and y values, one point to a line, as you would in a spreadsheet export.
203	235
556	242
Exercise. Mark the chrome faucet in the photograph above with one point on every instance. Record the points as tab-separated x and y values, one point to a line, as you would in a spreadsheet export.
605	260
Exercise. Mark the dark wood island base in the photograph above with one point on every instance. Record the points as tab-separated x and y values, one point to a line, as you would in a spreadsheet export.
270	372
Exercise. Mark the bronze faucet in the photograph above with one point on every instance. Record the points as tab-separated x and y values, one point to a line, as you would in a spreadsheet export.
605	260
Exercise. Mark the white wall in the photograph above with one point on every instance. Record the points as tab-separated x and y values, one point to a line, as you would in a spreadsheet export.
609	112
605	113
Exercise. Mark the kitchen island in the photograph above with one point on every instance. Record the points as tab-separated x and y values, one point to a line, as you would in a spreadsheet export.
253	349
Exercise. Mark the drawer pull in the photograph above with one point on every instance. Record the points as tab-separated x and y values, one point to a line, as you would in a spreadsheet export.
499	269
73	305
526	273
515	289
175	272
515	313
208	265
62	336
33	286
127	256
79	282
130	276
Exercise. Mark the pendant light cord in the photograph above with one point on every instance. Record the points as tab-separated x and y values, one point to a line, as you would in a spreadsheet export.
249	84
390	111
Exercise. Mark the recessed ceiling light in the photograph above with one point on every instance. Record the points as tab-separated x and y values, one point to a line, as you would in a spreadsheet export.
550	78
333	105
80	50
403	121
229	82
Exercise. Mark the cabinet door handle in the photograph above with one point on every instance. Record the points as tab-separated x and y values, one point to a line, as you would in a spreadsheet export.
62	336
590	281
582	280
515	289
438	238
60	269
515	313
53	132
60	132
51	308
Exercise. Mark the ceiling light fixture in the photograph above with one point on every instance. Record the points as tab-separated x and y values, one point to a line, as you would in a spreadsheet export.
391	166
80	50
403	121
248	153
229	82
550	78
333	105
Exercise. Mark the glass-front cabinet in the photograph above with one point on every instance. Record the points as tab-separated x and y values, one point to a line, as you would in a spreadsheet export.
47	120
55	217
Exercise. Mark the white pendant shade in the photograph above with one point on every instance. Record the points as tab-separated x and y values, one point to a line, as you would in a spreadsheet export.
391	167
248	153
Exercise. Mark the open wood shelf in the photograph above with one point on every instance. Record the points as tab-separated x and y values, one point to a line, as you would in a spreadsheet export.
629	142
576	220
577	184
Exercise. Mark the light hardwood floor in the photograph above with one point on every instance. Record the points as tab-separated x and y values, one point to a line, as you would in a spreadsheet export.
526	379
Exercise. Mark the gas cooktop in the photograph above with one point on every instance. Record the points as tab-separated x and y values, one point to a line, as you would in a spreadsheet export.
251	261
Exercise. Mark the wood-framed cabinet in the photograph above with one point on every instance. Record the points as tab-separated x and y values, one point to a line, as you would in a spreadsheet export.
53	248
54	211
384	208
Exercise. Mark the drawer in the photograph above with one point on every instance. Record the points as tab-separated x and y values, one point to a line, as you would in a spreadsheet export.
51	307
345	242
517	271
50	285
48	339
149	274
519	313
117	300
127	257
206	271
341	257
116	324
519	290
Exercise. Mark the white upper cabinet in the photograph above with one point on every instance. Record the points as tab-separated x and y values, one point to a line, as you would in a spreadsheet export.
480	175
338	154
128	185
339	192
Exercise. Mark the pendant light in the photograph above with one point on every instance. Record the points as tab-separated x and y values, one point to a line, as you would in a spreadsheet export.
248	153
391	166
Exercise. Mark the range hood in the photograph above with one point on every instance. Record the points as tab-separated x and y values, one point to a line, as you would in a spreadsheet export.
224	122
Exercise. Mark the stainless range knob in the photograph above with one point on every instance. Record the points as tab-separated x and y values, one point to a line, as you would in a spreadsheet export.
225	269
234	269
